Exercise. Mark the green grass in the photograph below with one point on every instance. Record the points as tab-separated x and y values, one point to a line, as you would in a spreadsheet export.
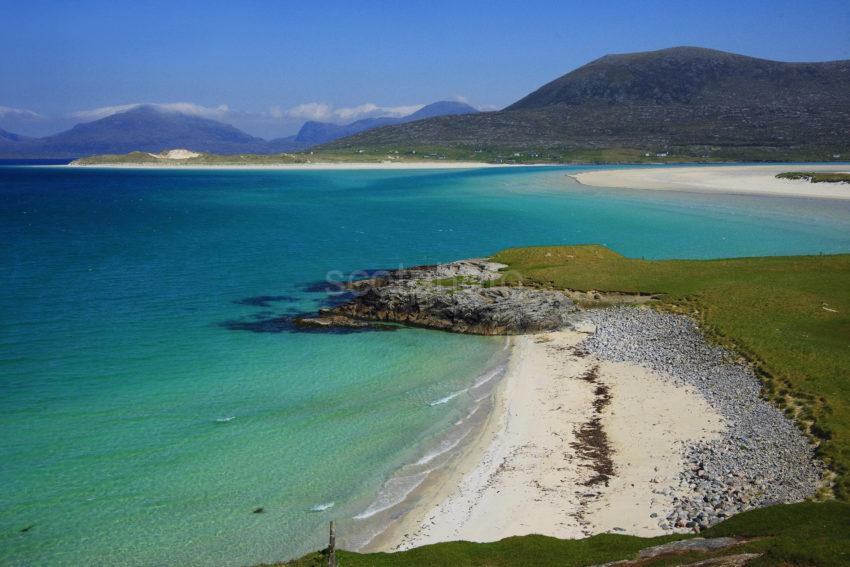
798	534
816	177
789	315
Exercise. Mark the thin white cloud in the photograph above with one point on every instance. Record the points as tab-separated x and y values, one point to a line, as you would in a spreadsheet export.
310	111
307	111
273	122
370	110
181	107
326	112
9	112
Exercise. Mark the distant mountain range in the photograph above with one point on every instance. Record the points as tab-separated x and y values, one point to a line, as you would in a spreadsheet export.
690	100
313	133
10	137
151	129
683	97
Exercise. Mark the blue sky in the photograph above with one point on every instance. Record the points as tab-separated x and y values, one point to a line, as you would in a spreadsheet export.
268	66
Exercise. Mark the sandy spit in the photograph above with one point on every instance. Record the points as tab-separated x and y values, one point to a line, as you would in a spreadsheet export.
743	179
311	166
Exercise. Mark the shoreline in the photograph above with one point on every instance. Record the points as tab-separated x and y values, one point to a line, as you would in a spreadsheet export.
531	452
317	166
438	461
598	439
754	180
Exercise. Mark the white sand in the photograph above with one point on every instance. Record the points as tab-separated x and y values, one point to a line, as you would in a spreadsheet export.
740	179
524	475
647	421
176	154
309	166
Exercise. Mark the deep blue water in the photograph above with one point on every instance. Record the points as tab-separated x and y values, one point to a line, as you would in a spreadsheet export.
121	362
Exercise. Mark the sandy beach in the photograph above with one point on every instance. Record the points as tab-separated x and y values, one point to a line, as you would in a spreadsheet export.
578	439
744	179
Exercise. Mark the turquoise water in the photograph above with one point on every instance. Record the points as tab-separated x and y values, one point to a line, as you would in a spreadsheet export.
141	424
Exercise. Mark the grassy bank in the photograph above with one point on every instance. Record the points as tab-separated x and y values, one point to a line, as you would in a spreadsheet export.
799	534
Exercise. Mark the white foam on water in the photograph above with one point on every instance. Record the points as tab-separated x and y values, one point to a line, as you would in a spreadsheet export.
498	371
443	448
448	398
394	491
321	507
483	379
225	419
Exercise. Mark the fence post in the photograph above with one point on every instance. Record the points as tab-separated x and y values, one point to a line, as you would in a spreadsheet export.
332	546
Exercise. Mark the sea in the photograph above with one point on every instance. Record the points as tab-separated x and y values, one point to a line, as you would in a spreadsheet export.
158	406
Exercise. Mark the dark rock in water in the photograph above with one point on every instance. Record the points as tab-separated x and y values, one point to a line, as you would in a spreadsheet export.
339	323
259	510
28	528
301	324
263	300
263	325
458	297
323	321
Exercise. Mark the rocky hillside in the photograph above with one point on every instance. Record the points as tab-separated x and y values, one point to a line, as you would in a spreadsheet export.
680	97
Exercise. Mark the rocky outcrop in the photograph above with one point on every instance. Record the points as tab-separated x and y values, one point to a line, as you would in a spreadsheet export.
462	297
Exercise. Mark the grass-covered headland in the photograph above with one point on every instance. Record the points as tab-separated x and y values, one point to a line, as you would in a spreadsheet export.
790	316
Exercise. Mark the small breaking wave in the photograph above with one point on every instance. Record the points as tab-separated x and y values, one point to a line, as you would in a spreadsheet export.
483	379
498	371
443	448
225	419
321	507
393	493
448	398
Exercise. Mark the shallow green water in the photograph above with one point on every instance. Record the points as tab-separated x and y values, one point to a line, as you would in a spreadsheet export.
140	424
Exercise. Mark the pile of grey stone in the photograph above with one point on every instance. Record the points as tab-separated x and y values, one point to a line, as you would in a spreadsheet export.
761	458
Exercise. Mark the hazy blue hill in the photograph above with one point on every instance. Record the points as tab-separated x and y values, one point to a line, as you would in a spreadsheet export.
313	133
146	129
6	136
441	108
680	97
149	129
